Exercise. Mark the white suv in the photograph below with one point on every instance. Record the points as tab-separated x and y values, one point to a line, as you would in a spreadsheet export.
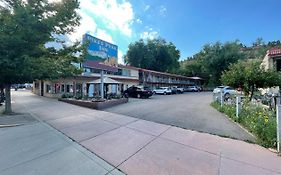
162	90
226	90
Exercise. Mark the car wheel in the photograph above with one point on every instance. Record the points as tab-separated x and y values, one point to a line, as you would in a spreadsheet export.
165	93
126	95
139	96
226	96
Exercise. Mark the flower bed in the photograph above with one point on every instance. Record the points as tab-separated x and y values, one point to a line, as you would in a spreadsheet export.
258	120
99	104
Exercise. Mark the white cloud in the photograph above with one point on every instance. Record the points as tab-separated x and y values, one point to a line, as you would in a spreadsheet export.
87	25
120	57
163	11
104	36
117	16
149	34
146	7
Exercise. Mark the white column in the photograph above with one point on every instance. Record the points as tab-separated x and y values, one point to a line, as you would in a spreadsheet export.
101	84
84	89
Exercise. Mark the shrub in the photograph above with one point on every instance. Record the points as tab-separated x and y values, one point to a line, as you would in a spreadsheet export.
258	120
66	95
78	96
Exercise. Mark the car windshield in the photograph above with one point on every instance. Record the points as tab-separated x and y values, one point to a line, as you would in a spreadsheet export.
229	88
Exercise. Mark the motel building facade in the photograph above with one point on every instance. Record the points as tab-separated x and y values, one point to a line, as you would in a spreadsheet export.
89	82
102	75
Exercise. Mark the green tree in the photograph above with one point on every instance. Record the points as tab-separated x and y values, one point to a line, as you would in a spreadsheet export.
212	60
25	27
250	75
156	54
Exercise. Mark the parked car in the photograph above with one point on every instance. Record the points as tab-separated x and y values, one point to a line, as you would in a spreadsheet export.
218	89
137	92
180	90
162	90
226	90
199	88
192	89
174	90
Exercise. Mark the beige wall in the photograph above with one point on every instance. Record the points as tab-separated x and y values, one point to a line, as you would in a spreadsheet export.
267	62
134	73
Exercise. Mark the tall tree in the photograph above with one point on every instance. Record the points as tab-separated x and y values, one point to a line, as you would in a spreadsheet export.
212	60
26	26
156	54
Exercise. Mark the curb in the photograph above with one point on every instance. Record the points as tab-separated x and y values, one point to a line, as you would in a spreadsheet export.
13	125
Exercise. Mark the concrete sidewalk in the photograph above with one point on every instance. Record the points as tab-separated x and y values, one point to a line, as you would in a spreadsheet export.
36	148
141	147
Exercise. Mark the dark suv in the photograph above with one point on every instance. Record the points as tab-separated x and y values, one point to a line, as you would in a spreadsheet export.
137	92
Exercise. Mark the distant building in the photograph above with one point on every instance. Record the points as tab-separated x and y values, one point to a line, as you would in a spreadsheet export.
272	59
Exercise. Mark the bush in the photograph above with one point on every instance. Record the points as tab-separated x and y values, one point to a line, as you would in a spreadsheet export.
259	121
78	96
66	95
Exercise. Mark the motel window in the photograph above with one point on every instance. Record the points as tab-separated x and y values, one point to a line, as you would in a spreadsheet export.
95	71
48	88
87	70
69	88
62	88
126	72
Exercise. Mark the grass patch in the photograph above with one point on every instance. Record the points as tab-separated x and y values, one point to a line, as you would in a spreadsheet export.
259	121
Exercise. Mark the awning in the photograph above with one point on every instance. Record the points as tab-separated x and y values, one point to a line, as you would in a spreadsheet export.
106	80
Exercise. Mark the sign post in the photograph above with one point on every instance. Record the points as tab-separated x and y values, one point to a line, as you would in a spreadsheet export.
278	121
101	85
238	105
221	99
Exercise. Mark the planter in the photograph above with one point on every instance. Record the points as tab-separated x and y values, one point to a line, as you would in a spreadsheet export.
95	104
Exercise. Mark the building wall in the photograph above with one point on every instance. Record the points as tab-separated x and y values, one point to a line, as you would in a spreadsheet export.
270	62
267	62
157	79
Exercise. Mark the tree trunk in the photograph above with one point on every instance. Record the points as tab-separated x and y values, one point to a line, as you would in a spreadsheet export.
8	105
252	92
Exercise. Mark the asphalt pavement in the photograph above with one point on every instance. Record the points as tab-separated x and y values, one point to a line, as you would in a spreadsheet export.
190	110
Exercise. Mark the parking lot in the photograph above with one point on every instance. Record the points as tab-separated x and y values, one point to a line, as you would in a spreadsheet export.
190	110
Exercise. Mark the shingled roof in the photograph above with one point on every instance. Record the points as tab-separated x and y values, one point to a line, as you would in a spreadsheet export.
274	52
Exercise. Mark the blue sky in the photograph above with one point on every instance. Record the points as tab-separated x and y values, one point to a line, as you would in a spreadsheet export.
189	24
